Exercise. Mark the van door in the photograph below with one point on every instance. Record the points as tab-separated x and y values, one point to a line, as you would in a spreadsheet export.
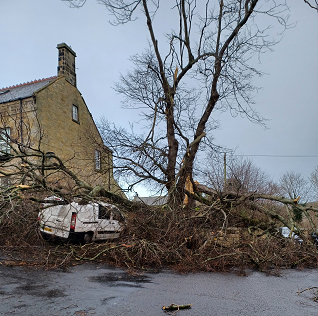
86	219
107	228
63	218
55	220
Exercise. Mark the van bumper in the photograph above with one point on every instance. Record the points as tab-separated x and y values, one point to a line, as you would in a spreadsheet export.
72	236
76	237
48	236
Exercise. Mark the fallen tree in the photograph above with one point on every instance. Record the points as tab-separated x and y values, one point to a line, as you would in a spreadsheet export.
226	229
254	200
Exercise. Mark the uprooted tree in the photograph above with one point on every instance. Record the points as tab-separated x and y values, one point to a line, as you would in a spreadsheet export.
28	173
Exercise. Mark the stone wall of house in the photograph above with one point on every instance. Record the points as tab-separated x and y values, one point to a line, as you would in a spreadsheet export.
47	123
18	115
74	141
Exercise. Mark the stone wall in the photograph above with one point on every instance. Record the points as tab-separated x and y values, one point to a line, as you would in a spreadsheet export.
75	141
48	123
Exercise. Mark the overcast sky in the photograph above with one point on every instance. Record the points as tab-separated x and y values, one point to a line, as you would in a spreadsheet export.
31	29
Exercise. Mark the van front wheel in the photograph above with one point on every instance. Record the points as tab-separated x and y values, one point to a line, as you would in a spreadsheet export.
88	238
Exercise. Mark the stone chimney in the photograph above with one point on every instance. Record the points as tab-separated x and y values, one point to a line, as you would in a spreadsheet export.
66	66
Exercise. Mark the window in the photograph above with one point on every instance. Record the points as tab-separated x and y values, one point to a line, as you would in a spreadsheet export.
97	160
75	113
5	141
104	212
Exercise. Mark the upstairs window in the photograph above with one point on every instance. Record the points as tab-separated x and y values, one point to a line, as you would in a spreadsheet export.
97	160
75	113
5	141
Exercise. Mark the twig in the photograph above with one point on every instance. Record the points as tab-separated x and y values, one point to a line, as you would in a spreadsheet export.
315	298
224	255
176	307
100	253
310	288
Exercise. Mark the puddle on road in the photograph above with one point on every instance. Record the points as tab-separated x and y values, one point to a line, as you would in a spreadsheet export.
30	287
121	279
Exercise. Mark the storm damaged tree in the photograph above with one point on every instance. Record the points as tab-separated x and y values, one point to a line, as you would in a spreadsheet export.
237	184
204	65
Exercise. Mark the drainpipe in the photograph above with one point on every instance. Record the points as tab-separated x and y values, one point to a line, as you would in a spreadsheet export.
21	136
21	123
109	171
225	188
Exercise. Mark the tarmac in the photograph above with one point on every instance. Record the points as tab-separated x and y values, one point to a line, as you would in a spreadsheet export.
99	290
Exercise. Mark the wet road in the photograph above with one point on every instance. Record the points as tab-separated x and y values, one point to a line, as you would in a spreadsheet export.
101	290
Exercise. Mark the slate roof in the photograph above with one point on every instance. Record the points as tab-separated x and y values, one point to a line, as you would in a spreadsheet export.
23	90
152	200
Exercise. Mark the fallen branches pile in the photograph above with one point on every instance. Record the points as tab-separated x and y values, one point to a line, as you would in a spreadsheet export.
230	229
205	239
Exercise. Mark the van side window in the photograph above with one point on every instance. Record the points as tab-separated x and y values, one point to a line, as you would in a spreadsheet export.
117	216
104	212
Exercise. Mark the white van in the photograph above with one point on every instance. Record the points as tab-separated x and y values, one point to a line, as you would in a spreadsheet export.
75	222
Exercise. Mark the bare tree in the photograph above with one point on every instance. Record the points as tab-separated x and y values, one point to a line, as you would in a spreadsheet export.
295	186
205	66
239	174
314	182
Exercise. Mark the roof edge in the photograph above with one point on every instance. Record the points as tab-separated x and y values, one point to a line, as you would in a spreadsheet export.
26	83
56	78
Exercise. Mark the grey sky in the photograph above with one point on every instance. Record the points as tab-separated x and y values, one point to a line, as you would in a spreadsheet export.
30	31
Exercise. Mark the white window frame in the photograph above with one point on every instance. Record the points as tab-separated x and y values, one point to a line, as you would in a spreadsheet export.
5	141
97	159
75	113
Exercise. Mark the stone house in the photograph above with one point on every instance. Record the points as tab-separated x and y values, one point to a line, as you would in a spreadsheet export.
51	115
